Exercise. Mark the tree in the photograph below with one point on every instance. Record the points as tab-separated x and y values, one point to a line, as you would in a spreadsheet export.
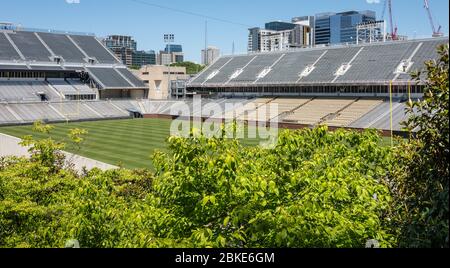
191	67
421	184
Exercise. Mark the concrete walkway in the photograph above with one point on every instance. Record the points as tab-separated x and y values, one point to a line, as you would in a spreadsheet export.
9	146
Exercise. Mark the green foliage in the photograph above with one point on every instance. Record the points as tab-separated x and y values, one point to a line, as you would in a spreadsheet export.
421	186
191	67
314	189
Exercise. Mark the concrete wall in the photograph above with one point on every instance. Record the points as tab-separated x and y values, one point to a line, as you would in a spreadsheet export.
157	77
9	146
281	125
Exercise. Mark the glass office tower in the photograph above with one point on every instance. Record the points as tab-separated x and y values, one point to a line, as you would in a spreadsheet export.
339	28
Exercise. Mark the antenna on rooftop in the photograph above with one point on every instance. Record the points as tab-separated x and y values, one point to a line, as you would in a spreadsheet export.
206	42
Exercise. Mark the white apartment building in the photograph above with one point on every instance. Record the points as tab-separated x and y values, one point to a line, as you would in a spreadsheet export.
212	53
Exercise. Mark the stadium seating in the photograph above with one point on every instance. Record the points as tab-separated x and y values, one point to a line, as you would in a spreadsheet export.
80	87
288	69
63	47
6	117
217	65
31	112
426	52
354	112
368	63
225	74
287	105
131	77
109	78
30	46
107	110
94	49
62	86
127	105
243	111
377	63
251	72
17	91
316	110
398	116
330	63
26	91
7	51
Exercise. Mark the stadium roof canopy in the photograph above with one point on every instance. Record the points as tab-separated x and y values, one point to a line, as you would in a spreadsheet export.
39	51
368	64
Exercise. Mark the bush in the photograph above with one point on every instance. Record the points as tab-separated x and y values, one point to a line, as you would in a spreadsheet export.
421	184
315	189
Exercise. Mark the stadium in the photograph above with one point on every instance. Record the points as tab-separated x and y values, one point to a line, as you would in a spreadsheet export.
331	131
61	77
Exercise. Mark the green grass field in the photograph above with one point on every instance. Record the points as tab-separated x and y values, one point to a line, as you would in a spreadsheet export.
129	143
126	142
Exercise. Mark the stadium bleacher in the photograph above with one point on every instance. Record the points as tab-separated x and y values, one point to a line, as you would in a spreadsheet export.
353	112
109	78
375	62
62	46
309	86
131	77
330	63
289	68
315	111
26	91
30	46
7	51
44	51
94	49
31	112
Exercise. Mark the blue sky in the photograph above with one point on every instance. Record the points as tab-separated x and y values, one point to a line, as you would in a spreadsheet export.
147	24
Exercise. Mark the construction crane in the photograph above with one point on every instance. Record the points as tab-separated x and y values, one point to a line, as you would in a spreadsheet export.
393	35
436	33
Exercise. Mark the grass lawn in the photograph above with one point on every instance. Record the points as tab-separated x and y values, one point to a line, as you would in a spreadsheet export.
129	143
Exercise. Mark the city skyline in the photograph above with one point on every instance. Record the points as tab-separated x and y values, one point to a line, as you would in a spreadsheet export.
227	22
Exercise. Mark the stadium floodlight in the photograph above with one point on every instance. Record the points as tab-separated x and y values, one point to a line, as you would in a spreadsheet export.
168	39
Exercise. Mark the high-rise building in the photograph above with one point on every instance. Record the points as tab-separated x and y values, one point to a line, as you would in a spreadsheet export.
174	48
122	46
338	28
141	58
278	36
165	58
211	54
171	54
120	41
125	49
309	22
279	26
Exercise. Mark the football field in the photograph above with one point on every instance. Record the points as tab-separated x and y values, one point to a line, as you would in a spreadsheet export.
129	143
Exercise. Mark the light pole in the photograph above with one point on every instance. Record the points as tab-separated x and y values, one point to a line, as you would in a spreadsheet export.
168	39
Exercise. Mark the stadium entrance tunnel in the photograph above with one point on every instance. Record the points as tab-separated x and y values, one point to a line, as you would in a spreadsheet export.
134	113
